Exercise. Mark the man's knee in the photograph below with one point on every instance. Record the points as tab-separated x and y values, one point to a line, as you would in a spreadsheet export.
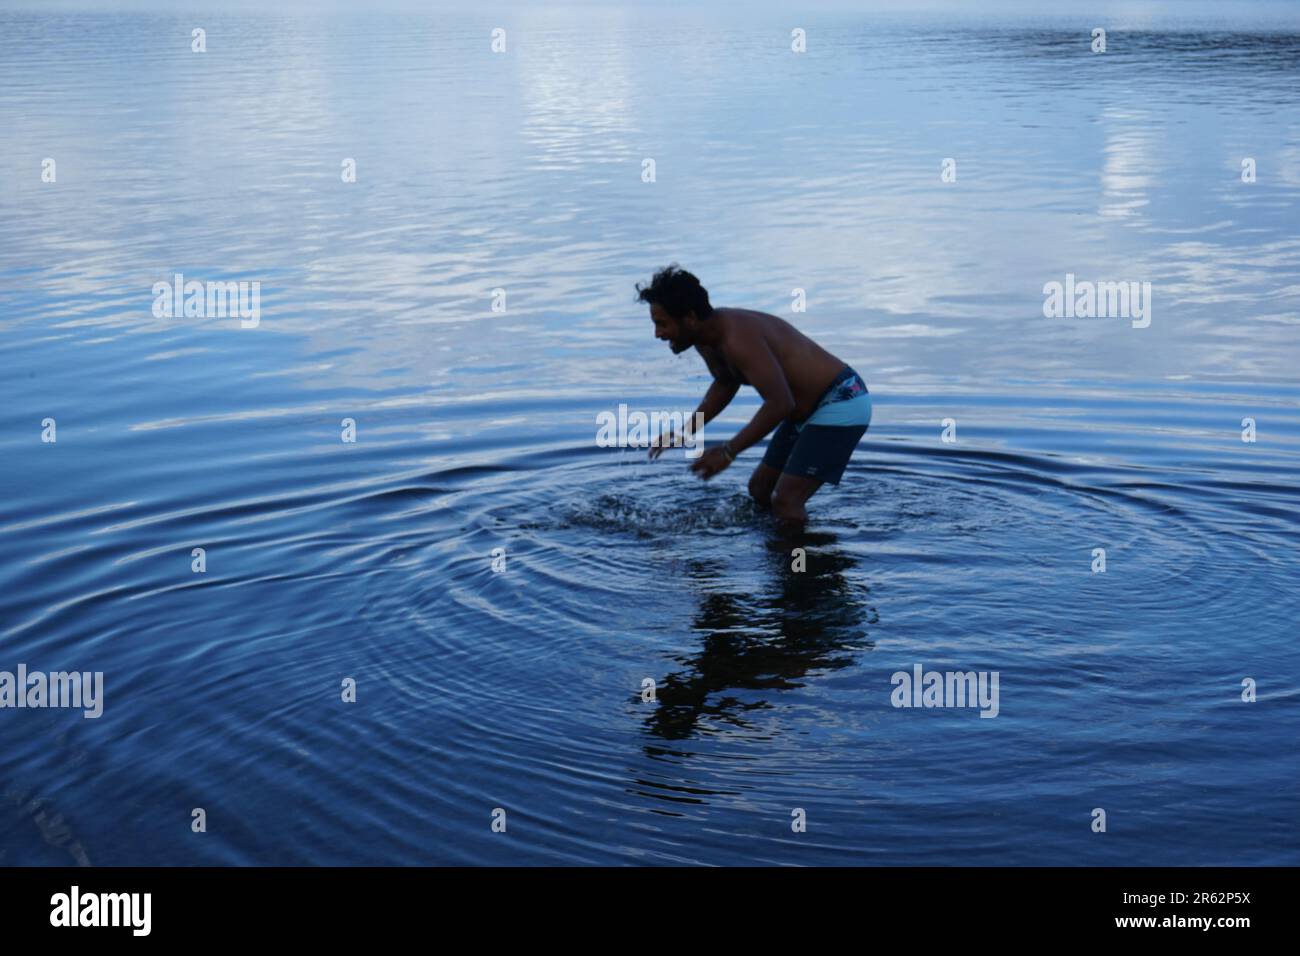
784	502
760	489
789	500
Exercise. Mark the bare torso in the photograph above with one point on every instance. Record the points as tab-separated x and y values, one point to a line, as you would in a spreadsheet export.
809	369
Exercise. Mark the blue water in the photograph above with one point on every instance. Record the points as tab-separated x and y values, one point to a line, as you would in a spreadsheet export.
521	690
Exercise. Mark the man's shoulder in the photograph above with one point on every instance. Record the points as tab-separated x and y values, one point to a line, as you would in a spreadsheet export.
743	329
736	322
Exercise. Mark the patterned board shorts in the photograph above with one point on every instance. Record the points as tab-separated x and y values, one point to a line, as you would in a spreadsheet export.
821	445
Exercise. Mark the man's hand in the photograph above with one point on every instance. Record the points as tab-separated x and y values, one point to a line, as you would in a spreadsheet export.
664	441
711	462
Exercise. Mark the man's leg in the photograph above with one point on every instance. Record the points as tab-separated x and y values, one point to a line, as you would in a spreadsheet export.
790	495
819	456
762	483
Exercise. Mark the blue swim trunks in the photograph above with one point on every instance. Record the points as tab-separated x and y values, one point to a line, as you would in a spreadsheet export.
820	446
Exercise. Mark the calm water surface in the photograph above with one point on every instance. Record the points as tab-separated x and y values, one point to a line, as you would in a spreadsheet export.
522	171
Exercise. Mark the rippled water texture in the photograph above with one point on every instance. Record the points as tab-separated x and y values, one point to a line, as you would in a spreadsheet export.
521	690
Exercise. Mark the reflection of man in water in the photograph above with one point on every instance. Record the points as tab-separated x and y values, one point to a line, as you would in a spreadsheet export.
763	637
821	405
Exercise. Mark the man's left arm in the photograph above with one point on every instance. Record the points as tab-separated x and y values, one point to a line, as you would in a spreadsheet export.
759	366
757	363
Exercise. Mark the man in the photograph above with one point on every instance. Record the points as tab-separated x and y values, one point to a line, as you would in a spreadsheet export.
821	405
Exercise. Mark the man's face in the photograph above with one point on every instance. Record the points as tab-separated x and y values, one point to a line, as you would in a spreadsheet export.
673	331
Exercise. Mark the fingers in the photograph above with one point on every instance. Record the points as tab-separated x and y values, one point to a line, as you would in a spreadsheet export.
657	447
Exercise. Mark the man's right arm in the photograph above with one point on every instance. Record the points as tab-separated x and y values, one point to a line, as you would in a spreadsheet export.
718	397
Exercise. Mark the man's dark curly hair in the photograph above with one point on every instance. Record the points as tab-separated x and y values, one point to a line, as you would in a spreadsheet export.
678	292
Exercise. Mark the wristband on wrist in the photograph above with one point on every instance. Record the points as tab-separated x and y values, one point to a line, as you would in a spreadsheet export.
726	450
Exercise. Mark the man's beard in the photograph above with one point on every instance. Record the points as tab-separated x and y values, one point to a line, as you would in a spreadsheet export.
679	347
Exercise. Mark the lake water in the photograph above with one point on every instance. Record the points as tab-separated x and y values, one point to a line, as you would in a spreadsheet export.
522	171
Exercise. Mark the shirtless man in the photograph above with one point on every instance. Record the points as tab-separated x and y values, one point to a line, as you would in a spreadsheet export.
821	405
